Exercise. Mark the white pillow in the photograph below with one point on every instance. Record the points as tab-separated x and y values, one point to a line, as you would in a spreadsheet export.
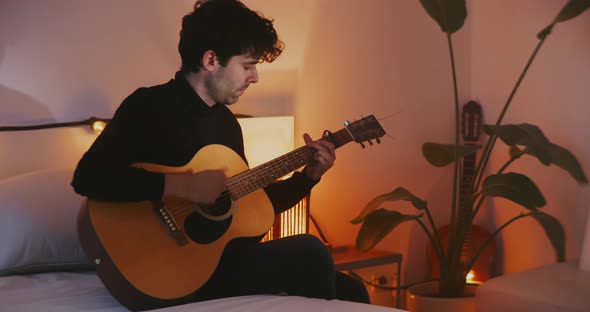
38	213
60	147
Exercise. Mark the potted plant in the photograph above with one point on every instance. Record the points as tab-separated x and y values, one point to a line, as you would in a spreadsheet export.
523	140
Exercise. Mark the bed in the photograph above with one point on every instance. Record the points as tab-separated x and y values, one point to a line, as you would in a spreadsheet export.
42	266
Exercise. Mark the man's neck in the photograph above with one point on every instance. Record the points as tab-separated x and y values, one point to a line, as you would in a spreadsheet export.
197	81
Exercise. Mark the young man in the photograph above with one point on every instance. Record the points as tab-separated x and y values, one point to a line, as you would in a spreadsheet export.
220	44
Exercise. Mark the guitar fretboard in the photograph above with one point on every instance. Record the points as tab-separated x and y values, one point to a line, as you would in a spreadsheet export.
468	174
258	177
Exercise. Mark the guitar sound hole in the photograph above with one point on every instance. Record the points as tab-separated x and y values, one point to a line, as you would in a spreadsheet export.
203	230
220	207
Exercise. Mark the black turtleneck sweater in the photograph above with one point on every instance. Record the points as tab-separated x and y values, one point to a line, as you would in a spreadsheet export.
165	124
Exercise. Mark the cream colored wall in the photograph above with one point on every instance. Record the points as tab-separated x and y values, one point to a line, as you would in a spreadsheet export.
65	59
383	58
73	59
553	96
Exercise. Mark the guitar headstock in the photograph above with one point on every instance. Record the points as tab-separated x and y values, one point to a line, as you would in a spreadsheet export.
471	119
365	130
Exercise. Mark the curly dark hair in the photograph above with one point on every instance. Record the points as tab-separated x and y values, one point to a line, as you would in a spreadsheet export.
228	28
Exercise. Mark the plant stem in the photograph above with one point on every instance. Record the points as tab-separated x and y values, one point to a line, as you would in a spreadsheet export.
477	208
434	230
454	229
510	161
487	241
492	140
526	68
439	250
483	161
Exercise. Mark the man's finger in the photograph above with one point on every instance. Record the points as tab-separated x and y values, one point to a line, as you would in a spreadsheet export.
307	138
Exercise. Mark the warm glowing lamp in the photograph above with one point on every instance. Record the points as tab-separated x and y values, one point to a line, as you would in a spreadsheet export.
470	278
266	138
98	126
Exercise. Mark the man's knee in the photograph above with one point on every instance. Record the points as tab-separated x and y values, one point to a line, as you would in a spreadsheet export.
312	246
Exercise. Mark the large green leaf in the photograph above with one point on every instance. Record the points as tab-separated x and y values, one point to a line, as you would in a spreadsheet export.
567	161
399	193
440	155
515	187
377	225
449	14
554	231
523	134
538	146
570	10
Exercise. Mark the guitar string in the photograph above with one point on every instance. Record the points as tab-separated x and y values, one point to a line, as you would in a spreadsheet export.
299	153
250	180
245	188
272	166
275	169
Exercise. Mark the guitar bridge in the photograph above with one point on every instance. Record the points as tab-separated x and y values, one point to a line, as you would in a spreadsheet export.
169	222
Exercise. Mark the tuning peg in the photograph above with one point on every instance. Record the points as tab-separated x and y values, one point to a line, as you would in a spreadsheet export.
362	145
370	143
378	140
346	123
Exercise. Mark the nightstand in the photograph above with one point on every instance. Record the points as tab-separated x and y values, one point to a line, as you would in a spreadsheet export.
347	258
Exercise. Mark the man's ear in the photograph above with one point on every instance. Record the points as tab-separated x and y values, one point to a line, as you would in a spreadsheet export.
209	60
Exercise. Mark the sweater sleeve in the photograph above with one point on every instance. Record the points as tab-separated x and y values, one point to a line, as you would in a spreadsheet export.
104	172
285	194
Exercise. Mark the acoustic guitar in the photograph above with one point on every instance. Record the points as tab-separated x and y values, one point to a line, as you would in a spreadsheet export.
158	253
471	119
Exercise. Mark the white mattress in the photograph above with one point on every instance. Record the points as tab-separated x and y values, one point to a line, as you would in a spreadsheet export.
556	287
64	292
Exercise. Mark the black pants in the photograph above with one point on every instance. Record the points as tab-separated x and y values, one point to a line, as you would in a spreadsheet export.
297	265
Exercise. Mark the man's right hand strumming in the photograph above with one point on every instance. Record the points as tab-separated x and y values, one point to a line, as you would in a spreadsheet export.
202	187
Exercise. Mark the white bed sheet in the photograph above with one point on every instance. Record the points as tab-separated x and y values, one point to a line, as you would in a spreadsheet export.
65	292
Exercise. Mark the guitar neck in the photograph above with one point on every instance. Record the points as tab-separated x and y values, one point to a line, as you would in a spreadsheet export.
258	177
466	181
468	175
464	209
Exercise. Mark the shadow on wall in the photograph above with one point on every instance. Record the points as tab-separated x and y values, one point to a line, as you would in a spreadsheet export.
86	103
15	106
26	151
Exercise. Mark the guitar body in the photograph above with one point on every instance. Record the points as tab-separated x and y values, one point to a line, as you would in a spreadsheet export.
138	259
153	254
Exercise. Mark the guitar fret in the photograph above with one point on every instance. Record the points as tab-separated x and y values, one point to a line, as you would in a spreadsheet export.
263	175
253	179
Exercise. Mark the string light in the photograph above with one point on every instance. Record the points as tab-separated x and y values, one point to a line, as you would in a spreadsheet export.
98	126
86	122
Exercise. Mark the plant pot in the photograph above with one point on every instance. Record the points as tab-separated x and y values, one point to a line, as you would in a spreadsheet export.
421	298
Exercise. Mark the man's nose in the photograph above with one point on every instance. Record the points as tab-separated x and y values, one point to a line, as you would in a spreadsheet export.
253	78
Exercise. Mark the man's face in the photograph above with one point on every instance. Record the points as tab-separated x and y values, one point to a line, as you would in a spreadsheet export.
230	82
